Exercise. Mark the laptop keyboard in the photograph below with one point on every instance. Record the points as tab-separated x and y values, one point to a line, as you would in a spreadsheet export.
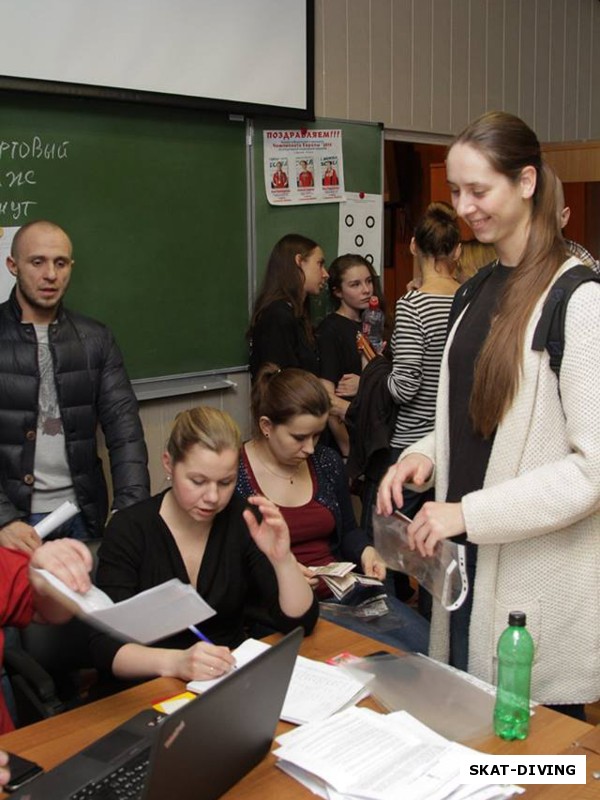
125	783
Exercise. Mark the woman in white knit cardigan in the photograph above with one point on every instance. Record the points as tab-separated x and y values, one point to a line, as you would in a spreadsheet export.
515	454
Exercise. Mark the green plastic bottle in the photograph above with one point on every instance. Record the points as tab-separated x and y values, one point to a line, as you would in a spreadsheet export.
515	657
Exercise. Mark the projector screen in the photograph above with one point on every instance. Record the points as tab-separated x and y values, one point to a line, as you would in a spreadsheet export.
242	55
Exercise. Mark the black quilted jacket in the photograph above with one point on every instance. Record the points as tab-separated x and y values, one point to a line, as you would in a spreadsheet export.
92	387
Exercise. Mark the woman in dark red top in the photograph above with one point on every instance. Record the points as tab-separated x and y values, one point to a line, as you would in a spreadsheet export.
284	462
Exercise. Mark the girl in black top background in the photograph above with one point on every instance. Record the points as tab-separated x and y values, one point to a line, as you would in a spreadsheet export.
352	282
280	328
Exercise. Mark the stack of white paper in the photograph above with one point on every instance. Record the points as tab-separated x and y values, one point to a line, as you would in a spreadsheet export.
319	690
315	692
147	617
359	753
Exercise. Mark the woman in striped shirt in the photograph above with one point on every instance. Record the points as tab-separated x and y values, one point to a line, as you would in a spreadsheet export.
420	333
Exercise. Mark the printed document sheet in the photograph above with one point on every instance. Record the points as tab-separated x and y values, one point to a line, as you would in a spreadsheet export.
363	754
316	690
145	618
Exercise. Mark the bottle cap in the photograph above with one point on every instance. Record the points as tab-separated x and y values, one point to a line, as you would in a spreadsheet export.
373	301
517	619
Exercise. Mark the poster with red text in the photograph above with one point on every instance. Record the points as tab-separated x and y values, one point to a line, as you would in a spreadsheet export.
303	166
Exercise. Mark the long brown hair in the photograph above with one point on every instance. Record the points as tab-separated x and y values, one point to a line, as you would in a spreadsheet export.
509	146
284	280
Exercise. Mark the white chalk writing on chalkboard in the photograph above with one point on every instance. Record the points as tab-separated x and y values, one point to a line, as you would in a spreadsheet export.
15	209
36	148
21	175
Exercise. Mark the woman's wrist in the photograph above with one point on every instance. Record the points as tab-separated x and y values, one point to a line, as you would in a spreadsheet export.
134	661
367	554
286	563
170	665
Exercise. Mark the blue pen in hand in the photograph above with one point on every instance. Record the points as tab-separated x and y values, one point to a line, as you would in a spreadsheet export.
197	632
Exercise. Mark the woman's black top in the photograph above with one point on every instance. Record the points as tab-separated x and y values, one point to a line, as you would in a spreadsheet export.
338	353
469	451
280	337
139	552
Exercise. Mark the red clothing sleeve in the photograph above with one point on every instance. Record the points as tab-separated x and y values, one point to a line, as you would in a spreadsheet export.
16	606
16	602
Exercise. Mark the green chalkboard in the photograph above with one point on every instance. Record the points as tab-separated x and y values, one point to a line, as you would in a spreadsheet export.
155	202
362	150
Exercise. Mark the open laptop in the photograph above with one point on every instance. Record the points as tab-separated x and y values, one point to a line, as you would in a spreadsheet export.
199	751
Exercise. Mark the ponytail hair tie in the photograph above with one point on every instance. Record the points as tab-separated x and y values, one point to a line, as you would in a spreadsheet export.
272	370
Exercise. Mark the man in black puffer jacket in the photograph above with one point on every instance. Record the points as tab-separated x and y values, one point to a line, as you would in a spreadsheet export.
60	375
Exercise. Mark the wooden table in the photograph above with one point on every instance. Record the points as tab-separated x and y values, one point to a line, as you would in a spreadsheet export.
51	741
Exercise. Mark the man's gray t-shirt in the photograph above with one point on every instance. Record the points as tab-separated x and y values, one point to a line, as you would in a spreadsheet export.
53	484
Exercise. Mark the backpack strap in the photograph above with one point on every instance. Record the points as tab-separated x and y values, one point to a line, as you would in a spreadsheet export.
549	333
467	292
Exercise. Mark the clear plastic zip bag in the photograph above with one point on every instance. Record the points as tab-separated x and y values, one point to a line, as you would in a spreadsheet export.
443	574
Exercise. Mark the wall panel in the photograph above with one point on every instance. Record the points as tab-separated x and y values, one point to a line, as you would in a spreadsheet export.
477	44
422	60
451	60
582	57
571	70
335	58
511	52
320	101
360	78
441	83
594	132
542	30
402	28
527	60
574	162
494	72
459	99
381	59
556	67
